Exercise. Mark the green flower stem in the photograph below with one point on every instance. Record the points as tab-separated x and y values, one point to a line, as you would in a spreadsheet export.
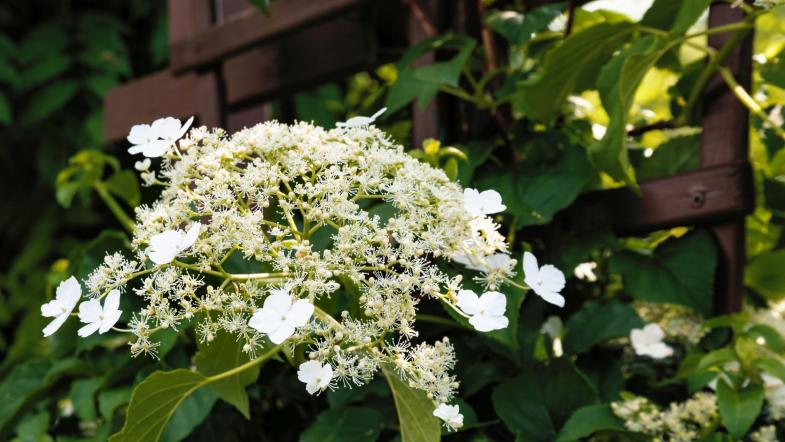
748	101
114	206
241	368
433	319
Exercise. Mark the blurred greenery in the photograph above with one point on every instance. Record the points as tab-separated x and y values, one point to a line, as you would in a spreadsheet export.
551	122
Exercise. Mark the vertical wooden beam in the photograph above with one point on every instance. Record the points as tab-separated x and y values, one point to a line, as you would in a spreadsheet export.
425	122
725	141
188	18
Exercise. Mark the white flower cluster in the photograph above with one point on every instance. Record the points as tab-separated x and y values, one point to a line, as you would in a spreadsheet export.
682	421
314	214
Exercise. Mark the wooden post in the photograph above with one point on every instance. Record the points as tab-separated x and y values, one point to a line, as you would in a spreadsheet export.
425	122
725	141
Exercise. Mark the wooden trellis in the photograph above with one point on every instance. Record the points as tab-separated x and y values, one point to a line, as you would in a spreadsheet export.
228	60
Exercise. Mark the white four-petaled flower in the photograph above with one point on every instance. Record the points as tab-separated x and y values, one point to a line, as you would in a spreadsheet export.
546	281
482	203
98	318
360	120
153	140
165	246
279	317
486	312
648	341
450	414
315	376
66	297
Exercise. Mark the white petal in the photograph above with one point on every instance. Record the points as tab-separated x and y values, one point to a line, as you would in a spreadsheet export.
163	256
52	308
166	128
325	376
141	134
110	319
309	371
553	327
68	293
265	321
312	387
493	303
530	267
184	129
659	351
155	149
112	302
378	113
190	237
279	301
90	311
653	333
299	314
491	202
552	278
553	298
54	325
468	302
485	323
281	334
89	329
471	201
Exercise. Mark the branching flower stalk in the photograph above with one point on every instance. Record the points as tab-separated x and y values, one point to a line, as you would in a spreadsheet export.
313	214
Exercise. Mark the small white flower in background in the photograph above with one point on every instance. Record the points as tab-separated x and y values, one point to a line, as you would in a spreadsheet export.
279	317
546	281
554	327
98	318
66	297
585	271
450	414
486	312
482	203
153	140
648	341
165	246
315	376
142	165
774	391
499	262
360	121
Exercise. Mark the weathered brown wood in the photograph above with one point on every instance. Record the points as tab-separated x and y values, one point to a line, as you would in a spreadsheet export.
187	18
225	9
317	54
251	27
425	122
710	194
725	141
148	98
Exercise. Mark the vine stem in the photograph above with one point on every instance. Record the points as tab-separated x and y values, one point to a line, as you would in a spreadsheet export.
748	101
114	206
241	368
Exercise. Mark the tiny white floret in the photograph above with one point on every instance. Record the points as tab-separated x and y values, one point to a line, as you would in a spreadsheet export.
486	313
450	414
546	281
360	121
142	165
482	203
648	341
585	271
98	318
66	297
279	316
315	376
153	140
165	246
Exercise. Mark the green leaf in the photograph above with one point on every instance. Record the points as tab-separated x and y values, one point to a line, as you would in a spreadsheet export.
675	16
773	71
617	84
534	193
739	407
222	354
111	400
83	397
194	409
596	322
154	401
415	411
764	275
774	193
519	28
773	366
678	154
680	271
715	358
345	424
44	71
125	185
262	5
535	404
48	100
588	420
571	67
773	339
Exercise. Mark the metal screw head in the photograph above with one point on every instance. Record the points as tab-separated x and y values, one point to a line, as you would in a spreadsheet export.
697	196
